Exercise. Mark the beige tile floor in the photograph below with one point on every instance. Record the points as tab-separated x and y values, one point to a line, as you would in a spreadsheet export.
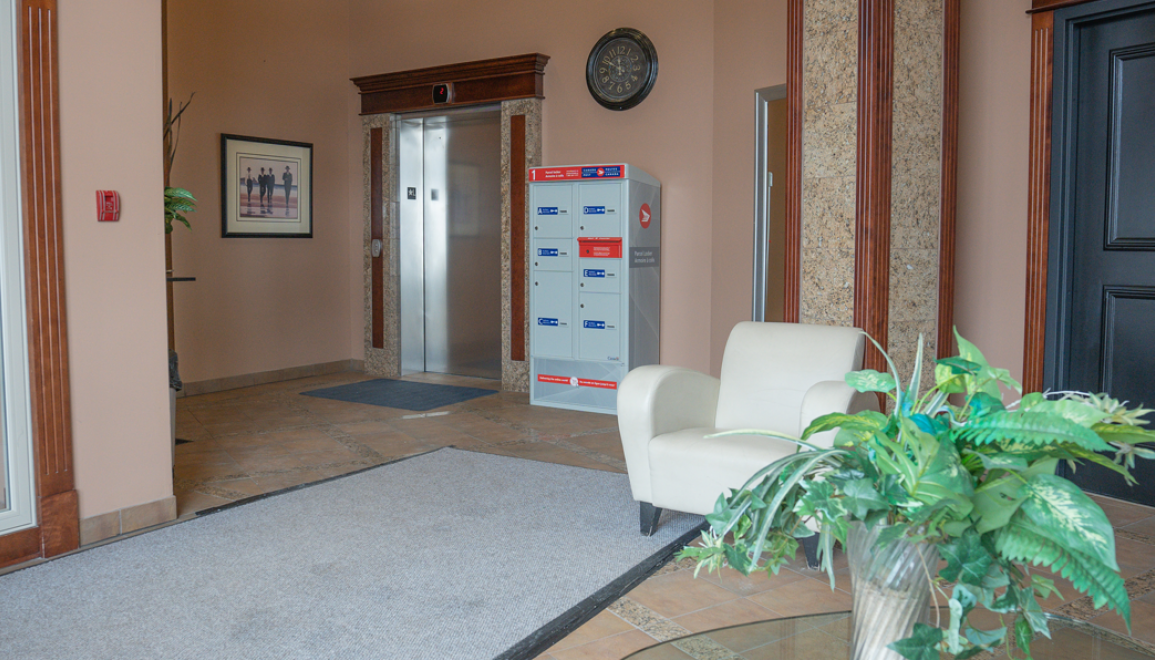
261	439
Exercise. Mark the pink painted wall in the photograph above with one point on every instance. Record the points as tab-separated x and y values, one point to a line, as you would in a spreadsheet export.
749	54
994	81
110	133
670	135
258	69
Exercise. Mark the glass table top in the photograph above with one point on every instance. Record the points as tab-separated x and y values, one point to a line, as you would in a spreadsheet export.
827	637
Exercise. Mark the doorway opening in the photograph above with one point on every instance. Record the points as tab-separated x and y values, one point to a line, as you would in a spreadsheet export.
769	208
449	206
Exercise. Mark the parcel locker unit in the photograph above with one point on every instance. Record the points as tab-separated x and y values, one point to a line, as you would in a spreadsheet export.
595	270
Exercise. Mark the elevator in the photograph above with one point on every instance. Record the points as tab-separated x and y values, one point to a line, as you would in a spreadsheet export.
449	256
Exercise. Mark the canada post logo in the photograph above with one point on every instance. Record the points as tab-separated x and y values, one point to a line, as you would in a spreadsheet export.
594	325
547	210
549	322
594	210
602	172
547	252
591	272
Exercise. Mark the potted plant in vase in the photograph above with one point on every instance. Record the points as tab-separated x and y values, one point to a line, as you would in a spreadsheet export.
972	483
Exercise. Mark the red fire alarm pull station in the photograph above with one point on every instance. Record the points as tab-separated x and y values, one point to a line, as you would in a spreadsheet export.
107	205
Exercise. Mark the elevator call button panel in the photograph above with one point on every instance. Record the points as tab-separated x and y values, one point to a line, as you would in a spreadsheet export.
595	282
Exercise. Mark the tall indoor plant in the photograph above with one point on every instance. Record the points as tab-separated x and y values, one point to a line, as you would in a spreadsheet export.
970	480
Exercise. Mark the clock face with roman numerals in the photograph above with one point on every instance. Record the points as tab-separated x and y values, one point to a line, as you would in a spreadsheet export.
621	69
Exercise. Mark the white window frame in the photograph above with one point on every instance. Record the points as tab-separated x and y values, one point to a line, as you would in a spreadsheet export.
15	411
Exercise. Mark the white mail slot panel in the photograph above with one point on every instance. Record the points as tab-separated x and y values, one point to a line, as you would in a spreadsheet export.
553	254
550	212
600	327
552	314
599	209
600	275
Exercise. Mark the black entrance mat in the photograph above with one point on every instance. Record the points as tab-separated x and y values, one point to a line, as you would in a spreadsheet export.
404	394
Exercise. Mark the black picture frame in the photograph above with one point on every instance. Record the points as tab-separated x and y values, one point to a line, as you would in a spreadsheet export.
284	214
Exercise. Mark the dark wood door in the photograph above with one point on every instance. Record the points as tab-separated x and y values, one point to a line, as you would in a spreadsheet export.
1106	188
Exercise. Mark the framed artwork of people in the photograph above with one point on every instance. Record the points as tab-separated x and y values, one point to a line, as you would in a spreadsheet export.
266	188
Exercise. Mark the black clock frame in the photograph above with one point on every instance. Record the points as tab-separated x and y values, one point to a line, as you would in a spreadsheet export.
645	45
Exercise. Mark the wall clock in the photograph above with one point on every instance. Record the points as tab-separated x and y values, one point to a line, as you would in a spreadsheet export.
621	69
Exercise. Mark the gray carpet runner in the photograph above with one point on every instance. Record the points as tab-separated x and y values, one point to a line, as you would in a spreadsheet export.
451	554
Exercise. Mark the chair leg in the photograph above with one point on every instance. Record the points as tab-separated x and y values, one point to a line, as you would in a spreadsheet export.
810	546
648	517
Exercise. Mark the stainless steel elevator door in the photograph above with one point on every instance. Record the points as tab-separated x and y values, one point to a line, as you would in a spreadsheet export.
462	244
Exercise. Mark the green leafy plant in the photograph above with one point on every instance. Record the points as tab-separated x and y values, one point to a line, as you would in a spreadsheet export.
176	200
976	479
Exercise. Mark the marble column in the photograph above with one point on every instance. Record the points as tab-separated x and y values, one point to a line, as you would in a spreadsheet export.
836	173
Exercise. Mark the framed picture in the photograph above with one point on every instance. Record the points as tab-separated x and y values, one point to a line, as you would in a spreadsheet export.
266	188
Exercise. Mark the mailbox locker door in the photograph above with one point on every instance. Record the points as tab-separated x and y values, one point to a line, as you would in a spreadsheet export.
553	254
551	211
600	209
599	333
600	275
553	314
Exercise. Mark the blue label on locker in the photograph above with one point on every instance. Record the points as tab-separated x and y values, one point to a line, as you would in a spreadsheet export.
547	210
551	322
594	210
590	272
593	325
547	252
602	172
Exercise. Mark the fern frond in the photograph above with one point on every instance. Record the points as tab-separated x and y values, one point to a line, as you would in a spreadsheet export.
1018	542
1033	428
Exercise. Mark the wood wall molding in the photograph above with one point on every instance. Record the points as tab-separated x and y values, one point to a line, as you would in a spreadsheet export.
58	513
793	198
948	210
874	174
377	233
1038	197
1051	5
483	81
517	230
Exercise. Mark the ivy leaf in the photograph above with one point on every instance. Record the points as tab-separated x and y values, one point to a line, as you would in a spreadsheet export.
738	560
820	501
1023	635
869	380
921	645
1044	587
967	560
860	498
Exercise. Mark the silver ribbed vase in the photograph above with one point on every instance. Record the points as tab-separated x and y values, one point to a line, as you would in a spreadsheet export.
891	590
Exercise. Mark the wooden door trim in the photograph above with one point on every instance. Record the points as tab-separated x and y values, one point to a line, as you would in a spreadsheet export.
793	197
948	211
1040	6
1038	198
58	519
473	83
874	174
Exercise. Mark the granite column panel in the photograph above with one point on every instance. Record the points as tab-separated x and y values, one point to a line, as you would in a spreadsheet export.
916	182
382	361
515	373
829	134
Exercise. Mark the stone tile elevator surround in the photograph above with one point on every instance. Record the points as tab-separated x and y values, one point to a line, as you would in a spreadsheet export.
386	361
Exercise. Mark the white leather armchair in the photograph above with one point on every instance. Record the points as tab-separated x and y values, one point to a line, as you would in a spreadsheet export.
776	376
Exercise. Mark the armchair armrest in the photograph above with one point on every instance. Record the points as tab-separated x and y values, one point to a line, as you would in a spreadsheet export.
831	396
654	400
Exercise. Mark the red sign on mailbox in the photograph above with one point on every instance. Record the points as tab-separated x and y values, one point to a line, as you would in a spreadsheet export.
107	205
600	248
